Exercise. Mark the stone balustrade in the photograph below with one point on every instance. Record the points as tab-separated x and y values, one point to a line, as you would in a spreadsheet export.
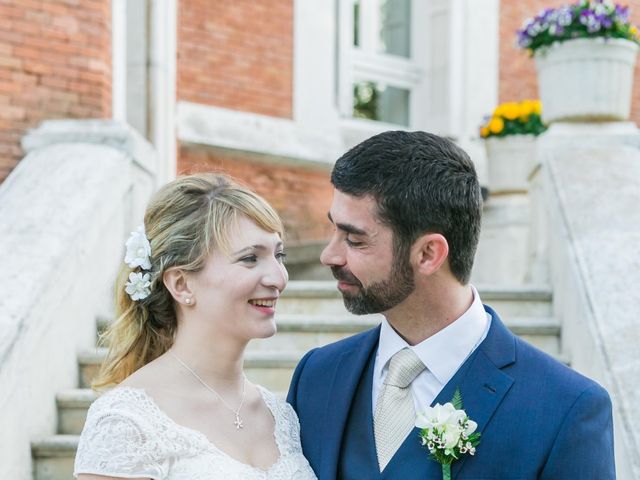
64	212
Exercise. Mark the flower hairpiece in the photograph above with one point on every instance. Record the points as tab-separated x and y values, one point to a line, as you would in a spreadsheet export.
138	286
138	255
138	250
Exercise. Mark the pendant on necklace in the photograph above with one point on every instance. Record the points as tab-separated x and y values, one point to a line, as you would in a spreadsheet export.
238	423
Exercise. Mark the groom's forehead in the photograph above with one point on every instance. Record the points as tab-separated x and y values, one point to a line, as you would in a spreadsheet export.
358	211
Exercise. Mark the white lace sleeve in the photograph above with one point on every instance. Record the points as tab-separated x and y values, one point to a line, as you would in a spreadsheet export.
117	443
292	431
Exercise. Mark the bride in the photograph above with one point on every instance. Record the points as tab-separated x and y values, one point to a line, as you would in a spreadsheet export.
197	286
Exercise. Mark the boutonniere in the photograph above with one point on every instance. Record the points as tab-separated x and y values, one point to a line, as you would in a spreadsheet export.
448	433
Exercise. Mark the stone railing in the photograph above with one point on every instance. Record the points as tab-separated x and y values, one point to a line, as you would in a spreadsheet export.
591	179
64	212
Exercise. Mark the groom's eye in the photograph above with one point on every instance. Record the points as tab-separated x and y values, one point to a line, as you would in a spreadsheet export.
353	243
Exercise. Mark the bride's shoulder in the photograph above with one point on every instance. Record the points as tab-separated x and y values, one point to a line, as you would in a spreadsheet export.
124	409
121	398
121	437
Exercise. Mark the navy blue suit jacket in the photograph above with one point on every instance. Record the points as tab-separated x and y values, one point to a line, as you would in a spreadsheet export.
538	418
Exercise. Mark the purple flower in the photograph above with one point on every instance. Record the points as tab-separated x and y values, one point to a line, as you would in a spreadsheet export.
605	21
534	27
621	14
564	16
524	40
589	19
598	17
556	29
545	15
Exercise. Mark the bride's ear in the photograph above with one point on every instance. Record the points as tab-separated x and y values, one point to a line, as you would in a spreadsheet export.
176	281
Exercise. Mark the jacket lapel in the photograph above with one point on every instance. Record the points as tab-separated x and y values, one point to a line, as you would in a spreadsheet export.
482	383
346	376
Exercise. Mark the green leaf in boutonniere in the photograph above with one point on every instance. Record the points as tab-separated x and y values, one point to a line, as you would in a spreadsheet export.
448	433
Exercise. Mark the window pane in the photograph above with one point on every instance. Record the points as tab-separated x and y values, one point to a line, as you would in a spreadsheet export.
356	23
395	27
377	101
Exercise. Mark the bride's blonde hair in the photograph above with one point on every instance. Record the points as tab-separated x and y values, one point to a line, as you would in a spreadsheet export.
184	221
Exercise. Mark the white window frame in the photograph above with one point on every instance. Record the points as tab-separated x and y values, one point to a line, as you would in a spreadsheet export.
365	63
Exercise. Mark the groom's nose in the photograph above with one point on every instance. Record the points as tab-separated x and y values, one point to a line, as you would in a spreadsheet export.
333	253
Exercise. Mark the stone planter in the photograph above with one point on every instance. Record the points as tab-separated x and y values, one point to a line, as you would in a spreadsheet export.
510	160
586	79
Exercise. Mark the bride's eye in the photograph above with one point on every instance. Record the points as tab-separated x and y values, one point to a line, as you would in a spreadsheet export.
249	259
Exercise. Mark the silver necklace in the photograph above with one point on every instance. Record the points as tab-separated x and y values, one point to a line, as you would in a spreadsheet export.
238	421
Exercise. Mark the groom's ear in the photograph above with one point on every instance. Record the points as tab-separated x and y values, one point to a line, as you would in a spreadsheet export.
429	252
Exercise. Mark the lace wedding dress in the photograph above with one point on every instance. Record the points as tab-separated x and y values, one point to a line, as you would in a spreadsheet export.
127	435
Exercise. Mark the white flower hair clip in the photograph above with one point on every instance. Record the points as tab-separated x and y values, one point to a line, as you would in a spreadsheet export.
138	250
138	255
138	286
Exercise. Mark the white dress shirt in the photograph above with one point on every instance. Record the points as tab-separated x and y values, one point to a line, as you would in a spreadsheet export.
443	353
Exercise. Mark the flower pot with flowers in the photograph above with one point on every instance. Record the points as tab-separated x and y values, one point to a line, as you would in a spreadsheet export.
585	55
510	141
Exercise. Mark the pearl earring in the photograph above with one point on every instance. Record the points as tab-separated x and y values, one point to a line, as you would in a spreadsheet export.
187	301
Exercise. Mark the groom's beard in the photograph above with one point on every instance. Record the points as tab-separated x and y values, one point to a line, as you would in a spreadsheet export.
379	296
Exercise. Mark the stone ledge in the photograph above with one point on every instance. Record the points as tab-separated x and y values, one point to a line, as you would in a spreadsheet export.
266	138
301	323
75	398
327	289
108	133
56	446
279	359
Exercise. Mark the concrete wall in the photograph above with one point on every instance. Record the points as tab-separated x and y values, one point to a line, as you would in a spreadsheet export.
64	214
592	173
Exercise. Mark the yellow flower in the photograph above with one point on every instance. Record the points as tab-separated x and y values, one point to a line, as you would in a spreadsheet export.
526	109
633	31
496	125
510	110
484	132
537	107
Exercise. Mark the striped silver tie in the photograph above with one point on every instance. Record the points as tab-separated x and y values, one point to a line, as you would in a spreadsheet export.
395	414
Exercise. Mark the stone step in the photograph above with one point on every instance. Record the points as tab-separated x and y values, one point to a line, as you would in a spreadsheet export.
303	332
53	457
322	297
72	409
308	297
298	332
271	369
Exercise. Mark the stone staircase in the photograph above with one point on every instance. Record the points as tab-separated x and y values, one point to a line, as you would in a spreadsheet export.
310	313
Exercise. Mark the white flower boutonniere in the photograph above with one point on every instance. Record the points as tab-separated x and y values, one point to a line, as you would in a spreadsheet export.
448	433
138	286
138	250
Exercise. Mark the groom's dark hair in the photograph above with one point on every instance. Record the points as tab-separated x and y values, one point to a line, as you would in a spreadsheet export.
421	183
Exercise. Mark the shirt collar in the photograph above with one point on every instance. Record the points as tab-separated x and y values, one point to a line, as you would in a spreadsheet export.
444	352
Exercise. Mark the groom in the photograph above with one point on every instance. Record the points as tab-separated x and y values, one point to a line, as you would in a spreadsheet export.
406	213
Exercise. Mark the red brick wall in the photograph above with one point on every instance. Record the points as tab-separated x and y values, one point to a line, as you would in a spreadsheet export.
517	70
301	196
55	62
237	54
